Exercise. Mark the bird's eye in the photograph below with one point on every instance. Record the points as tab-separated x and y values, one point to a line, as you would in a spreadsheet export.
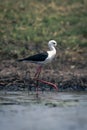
54	43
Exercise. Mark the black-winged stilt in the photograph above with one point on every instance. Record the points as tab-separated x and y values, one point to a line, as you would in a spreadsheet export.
42	59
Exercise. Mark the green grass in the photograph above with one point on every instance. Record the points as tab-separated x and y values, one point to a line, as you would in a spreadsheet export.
23	22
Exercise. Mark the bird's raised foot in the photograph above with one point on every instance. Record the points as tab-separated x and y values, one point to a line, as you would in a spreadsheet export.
49	83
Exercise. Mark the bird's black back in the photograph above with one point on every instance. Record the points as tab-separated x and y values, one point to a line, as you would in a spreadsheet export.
36	58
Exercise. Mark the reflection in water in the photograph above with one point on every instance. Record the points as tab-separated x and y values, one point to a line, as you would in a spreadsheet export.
69	113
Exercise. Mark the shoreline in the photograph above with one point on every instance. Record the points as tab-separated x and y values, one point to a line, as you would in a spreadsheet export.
15	76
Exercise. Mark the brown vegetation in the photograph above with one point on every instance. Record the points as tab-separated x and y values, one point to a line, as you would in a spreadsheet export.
19	76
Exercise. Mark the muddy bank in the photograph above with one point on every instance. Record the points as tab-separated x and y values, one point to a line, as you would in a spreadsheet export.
19	76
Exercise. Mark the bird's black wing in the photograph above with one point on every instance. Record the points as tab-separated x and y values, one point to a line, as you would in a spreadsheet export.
36	58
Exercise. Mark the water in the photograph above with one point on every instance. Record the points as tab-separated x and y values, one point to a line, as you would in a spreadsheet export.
51	111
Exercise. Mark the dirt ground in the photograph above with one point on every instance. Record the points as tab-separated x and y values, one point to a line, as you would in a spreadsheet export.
19	76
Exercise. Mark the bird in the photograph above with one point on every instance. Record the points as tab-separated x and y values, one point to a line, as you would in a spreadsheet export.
42	59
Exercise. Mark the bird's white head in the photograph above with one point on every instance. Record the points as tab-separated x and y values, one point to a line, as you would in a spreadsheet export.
52	43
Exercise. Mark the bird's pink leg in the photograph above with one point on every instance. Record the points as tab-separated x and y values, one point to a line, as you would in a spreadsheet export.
51	84
36	76
38	72
45	82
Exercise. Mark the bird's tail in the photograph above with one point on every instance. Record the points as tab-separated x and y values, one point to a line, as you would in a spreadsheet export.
24	59
19	60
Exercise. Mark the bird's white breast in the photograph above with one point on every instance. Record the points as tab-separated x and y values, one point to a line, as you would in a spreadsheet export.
51	55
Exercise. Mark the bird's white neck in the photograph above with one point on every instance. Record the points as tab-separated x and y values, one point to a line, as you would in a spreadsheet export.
52	48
